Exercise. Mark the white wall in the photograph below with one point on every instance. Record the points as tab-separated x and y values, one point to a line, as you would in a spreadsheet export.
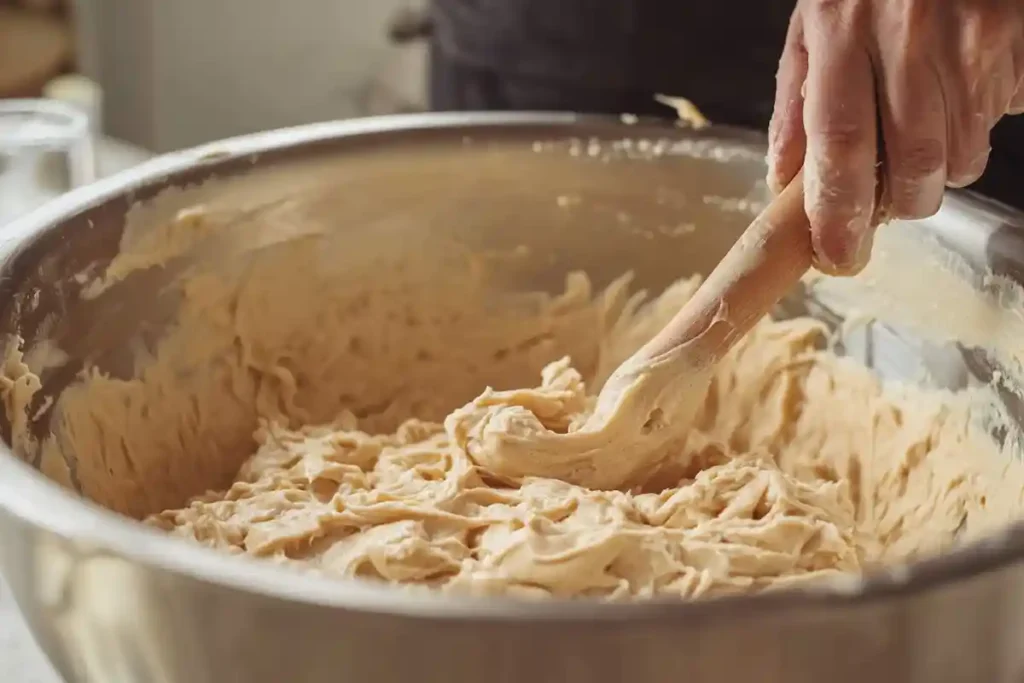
179	72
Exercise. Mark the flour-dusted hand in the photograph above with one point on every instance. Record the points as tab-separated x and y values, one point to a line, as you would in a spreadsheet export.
934	75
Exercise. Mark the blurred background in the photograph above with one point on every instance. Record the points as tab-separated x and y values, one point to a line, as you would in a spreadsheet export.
92	87
159	75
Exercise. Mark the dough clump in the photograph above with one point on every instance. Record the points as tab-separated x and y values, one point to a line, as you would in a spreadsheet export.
800	466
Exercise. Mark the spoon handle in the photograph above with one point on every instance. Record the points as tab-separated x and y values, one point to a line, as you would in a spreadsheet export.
769	258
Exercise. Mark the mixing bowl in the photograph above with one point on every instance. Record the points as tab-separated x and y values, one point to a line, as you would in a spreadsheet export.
528	198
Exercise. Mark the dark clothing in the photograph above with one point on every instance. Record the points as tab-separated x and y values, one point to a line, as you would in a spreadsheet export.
623	48
458	86
613	56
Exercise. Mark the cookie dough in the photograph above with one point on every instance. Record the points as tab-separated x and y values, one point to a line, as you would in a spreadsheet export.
298	389
800	466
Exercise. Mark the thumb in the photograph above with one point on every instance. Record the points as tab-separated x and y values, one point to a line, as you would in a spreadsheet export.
787	140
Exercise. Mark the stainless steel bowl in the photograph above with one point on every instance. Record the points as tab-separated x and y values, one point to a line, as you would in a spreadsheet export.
111	600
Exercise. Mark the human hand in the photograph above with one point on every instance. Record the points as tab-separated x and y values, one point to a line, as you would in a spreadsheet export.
928	77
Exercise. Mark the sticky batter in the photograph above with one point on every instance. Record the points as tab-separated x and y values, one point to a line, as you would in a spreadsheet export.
318	384
800	467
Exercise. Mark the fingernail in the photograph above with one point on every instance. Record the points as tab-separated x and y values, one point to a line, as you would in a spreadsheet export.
844	248
974	171
919	199
848	253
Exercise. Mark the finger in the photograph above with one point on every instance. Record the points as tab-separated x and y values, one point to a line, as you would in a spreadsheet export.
1002	84
1001	59
840	120
968	91
913	114
786	140
1017	100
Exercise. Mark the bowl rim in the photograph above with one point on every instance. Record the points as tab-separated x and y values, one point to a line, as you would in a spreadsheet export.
33	500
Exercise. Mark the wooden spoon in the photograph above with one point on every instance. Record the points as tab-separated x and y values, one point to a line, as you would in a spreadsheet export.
770	257
645	408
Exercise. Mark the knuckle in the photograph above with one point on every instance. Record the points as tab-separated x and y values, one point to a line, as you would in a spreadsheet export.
984	39
917	159
909	28
840	137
